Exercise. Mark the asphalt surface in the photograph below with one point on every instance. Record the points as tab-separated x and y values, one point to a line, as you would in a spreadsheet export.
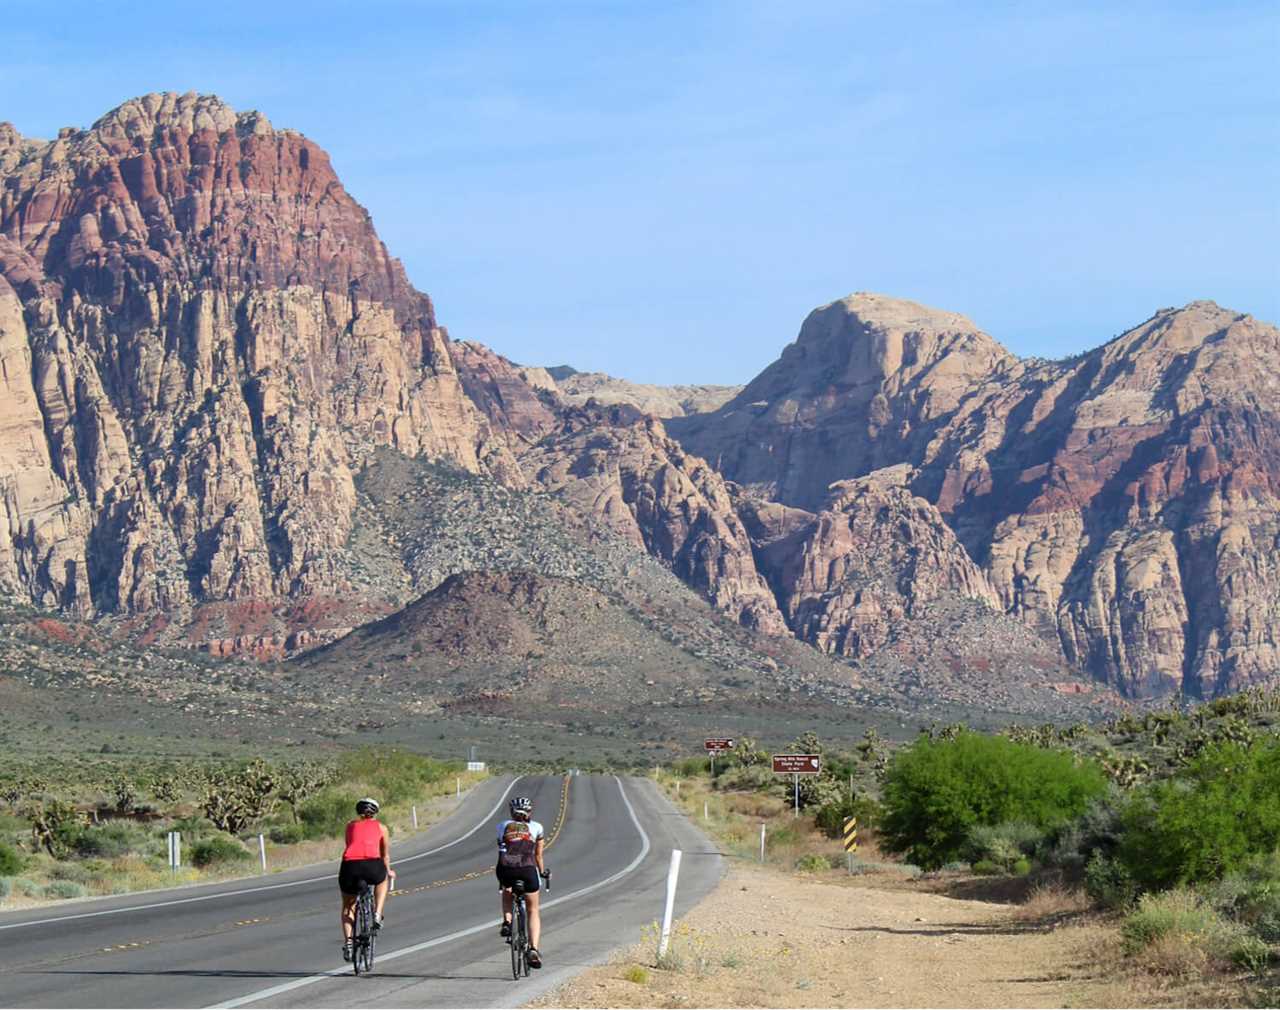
274	941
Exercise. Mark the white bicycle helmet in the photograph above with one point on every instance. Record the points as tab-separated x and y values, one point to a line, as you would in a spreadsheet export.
368	805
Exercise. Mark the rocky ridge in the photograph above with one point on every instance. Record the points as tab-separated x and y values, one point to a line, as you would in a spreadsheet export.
1124	502
208	339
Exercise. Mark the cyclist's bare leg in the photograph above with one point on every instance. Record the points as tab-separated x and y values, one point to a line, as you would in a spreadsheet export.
380	897
507	902
535	919
348	916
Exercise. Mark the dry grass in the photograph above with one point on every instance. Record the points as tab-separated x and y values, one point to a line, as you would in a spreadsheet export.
1051	903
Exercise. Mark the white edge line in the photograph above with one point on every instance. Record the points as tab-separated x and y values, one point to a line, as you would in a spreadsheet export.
266	887
276	990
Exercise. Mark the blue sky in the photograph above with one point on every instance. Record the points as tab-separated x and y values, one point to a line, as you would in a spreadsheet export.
663	190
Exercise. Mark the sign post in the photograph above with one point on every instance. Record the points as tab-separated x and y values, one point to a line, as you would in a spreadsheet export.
175	851
262	851
849	832
714	746
796	765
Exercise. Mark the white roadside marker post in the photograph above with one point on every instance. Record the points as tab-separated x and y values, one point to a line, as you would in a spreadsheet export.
672	874
705	815
262	851
797	784
415	818
762	841
458	788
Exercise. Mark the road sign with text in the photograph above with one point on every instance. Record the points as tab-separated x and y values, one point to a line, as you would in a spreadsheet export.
714	744
797	764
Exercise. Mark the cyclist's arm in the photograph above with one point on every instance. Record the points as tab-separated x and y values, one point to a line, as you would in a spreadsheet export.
385	846
537	857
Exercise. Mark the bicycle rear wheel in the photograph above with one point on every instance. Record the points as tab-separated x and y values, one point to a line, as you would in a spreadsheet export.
517	937
362	956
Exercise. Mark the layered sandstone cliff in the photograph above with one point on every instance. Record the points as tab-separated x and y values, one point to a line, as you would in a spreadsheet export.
620	467
206	339
1126	501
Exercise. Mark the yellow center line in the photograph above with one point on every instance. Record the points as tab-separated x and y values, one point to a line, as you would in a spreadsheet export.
472	875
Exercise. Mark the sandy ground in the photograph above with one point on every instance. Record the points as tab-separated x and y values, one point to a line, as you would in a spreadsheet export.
766	938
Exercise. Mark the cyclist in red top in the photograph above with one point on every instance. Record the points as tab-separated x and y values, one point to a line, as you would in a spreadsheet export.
366	859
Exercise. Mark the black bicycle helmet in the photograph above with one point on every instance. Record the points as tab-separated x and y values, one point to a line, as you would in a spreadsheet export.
368	805
521	805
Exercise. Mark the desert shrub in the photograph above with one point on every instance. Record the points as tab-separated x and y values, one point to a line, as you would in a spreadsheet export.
690	768
1005	844
1177	912
748	778
111	840
326	815
217	849
11	861
288	834
1250	895
937	791
636	973
26	887
64	889
987	868
1108	882
1219	812
1070	846
830	817
69	870
55	826
812	862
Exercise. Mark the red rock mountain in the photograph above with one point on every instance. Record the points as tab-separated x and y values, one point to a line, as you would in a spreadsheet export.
1126	502
204	344
202	337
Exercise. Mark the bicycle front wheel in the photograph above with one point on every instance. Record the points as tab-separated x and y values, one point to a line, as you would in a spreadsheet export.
362	956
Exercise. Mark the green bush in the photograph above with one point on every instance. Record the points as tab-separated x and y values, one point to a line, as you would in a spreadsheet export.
747	778
11	861
987	868
288	834
1070	846
937	791
392	776
64	889
217	849
1251	896
326	815
831	816
812	862
116	838
1177	912
6	888
1219	812
26	887
1109	883
1005	844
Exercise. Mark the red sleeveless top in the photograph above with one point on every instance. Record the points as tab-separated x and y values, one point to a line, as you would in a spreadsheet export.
364	840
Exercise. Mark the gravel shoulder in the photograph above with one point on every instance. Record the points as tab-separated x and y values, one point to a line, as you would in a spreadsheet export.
767	938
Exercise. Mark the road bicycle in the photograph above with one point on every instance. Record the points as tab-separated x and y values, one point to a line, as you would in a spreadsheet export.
364	937
519	939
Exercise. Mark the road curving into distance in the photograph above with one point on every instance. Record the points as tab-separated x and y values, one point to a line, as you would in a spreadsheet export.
274	941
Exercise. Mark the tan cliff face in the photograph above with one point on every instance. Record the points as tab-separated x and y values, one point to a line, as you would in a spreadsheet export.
1126	502
620	467
210	338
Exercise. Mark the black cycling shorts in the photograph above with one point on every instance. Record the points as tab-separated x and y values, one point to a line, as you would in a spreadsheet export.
508	875
353	872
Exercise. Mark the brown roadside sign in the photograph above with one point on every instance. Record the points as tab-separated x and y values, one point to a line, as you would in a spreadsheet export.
797	764
719	743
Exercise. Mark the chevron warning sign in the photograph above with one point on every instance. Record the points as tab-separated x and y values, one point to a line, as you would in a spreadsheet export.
850	833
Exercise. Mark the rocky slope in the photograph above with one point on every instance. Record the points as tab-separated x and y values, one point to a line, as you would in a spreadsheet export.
620	467
578	388
1126	501
202	338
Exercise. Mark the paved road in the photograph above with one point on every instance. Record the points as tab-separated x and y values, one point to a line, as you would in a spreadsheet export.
276	944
